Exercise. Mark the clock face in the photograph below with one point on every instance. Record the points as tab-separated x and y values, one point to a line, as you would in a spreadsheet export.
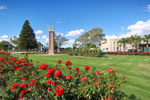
50	28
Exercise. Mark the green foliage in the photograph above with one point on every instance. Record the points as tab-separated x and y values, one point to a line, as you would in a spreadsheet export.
60	40
88	52
17	72
27	38
5	45
95	36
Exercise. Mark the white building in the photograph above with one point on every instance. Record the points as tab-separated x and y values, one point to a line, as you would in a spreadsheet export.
113	45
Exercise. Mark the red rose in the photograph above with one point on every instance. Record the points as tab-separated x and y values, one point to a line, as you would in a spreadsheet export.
97	82
48	82
98	72
102	73
109	70
37	61
83	79
87	67
18	62
76	74
108	99
14	86
19	69
34	82
69	68
23	61
22	93
47	75
43	66
68	63
25	85
51	71
24	78
59	61
68	77
59	91
76	68
57	73
52	83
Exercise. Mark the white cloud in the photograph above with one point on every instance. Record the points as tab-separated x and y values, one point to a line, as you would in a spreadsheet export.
2	7
139	28
59	33
4	39
44	36
69	43
75	33
37	37
111	37
4	36
147	8
39	32
47	39
59	22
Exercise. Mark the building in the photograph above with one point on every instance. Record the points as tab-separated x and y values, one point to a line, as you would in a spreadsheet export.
114	45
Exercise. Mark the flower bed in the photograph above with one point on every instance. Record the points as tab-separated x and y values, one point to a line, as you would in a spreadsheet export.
128	53
20	78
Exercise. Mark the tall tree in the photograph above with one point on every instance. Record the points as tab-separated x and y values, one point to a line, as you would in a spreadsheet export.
146	39
138	39
94	35
60	40
123	41
5	45
27	38
131	40
119	45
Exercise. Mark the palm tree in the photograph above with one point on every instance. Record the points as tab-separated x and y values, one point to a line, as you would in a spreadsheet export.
120	45
146	39
123	41
131	40
138	40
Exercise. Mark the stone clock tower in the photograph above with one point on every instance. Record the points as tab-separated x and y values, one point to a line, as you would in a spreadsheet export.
51	40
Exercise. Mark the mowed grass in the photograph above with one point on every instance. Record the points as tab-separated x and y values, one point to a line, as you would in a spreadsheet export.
137	69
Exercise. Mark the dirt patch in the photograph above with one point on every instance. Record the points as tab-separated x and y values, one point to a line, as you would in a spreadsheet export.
144	65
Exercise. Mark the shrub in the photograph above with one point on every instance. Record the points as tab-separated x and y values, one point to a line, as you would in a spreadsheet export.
93	52
21	79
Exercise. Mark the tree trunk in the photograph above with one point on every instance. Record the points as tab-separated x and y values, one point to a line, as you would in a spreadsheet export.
147	46
133	47
137	46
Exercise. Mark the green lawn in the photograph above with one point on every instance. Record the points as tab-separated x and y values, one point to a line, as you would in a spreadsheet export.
137	69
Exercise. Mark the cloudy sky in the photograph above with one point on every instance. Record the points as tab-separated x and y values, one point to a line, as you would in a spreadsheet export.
72	18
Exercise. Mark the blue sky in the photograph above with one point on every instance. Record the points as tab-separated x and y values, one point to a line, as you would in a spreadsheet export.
72	18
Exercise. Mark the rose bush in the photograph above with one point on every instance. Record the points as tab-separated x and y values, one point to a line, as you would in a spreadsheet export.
21	79
128	53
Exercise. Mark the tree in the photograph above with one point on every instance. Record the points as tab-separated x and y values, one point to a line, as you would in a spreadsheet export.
60	41
120	45
15	41
123	41
131	40
40	46
5	45
146	39
27	38
138	40
92	36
